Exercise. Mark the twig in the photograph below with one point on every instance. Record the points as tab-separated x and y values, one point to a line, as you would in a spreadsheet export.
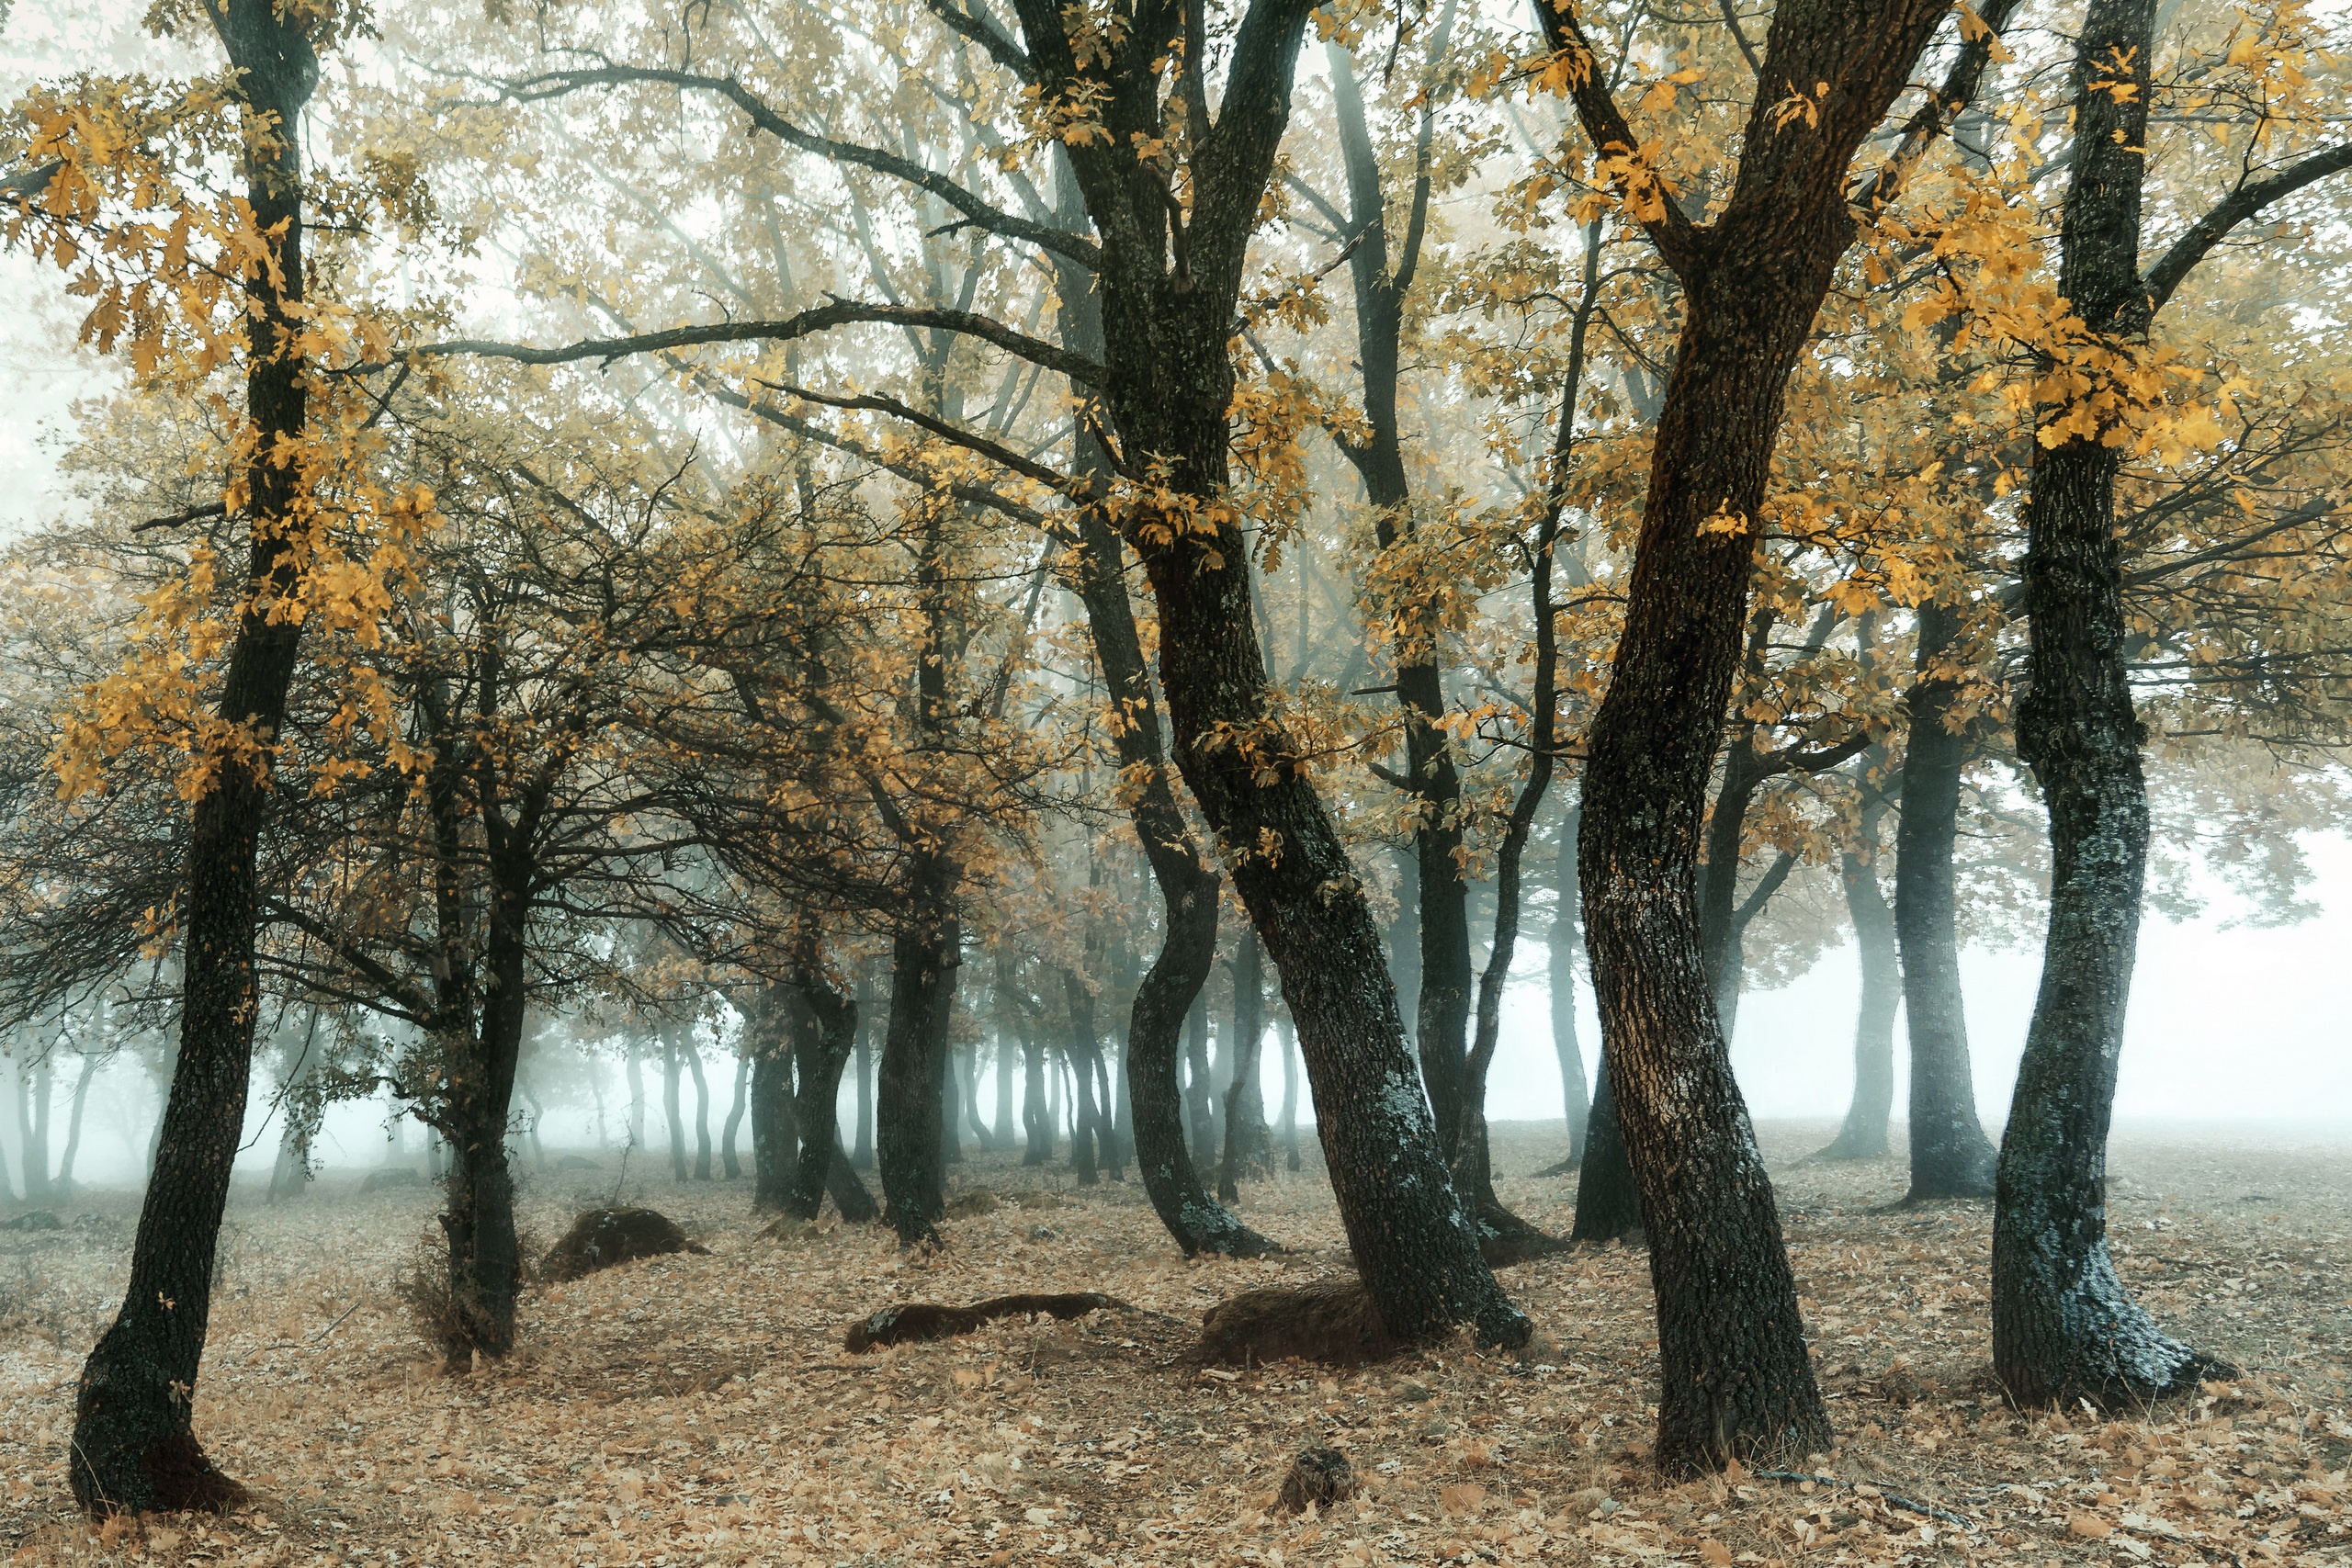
1893	1499
321	1333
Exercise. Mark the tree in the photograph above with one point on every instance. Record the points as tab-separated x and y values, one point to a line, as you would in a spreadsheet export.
1735	1377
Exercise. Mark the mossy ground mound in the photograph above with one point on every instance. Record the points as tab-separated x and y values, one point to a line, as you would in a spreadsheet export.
602	1238
1329	1320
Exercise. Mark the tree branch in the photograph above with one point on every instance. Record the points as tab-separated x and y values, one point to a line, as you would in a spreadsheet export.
2241	204
1931	118
1678	241
823	318
556	83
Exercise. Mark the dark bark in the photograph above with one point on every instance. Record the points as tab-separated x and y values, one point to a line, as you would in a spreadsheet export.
1005	1062
2064	1326
1383	281
1736	1377
1609	1207
769	1026
909	1139
1199	1090
1188	888
861	1155
820	1051
1083	1048
1863	1134
968	1067
1246	1139
134	1447
1168	394
728	1161
1950	1155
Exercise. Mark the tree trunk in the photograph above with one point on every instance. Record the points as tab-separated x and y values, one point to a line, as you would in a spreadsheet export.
1609	1207
673	1068
861	1155
134	1447
635	1057
1036	1116
41	1082
1564	939
1245	1100
1864	1134
823	1042
73	1127
1289	1037
1005	1065
1950	1155
924	953
1188	888
1199	1090
769	1028
727	1159
968	1067
2064	1326
1736	1377
951	1148
692	1051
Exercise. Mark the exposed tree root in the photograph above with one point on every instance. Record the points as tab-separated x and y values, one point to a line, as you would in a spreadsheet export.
928	1320
602	1238
181	1477
1329	1320
1504	1238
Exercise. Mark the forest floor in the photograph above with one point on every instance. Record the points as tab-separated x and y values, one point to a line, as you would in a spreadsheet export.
700	1409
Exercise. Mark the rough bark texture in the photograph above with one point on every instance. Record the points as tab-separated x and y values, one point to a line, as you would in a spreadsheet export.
820	1050
768	1033
1950	1155
133	1447
2064	1326
908	1144
1247	1141
1168	395
1382	283
1736	1377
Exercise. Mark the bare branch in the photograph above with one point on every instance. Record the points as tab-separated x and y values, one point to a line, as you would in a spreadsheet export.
2241	204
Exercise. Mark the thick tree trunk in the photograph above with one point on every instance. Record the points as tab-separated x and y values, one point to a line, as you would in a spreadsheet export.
1736	1377
1082	1048
485	1259
911	1141
769	1028
1950	1155
821	1050
727	1159
2064	1326
134	1447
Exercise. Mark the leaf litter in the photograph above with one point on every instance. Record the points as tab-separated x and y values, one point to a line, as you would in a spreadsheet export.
702	1410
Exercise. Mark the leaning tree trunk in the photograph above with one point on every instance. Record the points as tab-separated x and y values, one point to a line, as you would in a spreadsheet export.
727	1159
672	1069
1188	889
1950	1155
1036	1123
1734	1375
2064	1326
134	1445
693	1052
822	1049
1169	390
